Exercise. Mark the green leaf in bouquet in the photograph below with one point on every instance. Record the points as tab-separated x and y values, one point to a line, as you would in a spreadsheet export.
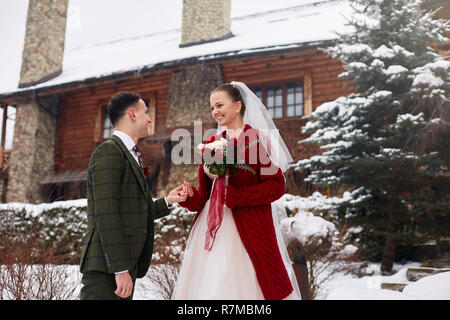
245	167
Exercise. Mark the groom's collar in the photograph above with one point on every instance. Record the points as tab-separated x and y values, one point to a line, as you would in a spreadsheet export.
126	139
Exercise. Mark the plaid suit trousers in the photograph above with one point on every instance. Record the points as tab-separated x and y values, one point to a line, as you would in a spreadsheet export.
101	286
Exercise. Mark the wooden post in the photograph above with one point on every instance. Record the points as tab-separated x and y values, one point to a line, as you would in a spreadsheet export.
2	150
307	99
99	120
301	273
152	107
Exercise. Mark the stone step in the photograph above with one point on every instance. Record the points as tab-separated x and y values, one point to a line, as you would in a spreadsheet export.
437	263
414	274
394	286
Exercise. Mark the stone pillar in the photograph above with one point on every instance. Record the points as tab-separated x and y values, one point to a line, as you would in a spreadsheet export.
189	95
44	41
32	154
205	21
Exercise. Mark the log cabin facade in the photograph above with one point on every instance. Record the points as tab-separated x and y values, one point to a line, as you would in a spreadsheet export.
70	118
77	136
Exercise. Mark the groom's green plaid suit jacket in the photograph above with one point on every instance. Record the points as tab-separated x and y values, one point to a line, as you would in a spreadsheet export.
120	212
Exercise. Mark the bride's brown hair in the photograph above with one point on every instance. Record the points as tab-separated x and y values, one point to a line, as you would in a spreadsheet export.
234	94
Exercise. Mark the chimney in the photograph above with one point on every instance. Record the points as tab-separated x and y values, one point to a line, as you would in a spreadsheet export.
44	41
205	21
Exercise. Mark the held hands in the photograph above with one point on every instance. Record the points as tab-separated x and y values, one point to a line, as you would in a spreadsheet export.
188	189
180	193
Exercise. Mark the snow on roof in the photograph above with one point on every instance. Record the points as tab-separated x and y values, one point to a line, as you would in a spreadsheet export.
309	21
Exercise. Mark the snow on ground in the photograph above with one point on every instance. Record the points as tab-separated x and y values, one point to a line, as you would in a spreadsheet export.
341	287
346	287
145	288
36	209
433	287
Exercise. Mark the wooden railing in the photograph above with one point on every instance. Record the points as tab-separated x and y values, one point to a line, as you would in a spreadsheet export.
4	159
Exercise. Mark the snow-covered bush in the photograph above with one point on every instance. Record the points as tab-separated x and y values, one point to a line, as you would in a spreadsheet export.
318	240
60	224
31	268
171	233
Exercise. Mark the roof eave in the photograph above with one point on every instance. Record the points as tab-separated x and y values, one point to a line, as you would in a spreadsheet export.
143	71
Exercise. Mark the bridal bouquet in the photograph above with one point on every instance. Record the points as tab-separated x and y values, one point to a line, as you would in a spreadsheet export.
220	155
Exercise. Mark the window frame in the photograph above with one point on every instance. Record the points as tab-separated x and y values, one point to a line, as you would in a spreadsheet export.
283	85
304	81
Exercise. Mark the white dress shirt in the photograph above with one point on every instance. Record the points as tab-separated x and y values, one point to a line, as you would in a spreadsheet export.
129	143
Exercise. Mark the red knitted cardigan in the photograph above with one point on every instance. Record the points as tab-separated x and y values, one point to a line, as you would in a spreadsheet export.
249	196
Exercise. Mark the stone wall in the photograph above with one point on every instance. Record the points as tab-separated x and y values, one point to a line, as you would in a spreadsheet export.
188	101
205	21
189	93
32	155
44	41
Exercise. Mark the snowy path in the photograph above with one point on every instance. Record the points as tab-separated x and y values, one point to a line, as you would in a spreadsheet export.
341	287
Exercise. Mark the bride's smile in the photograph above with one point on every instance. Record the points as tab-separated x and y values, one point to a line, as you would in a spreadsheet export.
225	111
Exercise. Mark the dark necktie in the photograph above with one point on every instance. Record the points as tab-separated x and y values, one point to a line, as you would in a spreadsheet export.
139	156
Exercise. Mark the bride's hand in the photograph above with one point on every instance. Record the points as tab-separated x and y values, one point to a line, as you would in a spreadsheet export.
188	189
181	190
209	174
178	194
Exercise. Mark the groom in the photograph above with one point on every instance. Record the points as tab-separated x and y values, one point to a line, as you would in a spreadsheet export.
118	245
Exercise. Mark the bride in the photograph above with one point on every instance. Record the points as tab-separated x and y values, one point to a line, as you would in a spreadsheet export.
235	249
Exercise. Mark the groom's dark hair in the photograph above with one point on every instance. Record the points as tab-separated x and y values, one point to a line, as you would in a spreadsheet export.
119	103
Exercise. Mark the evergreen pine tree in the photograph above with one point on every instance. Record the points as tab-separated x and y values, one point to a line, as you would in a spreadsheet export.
388	141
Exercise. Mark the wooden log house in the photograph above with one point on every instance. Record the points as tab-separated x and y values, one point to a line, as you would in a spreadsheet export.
291	77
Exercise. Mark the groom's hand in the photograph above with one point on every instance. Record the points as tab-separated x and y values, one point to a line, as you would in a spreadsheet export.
124	285
178	194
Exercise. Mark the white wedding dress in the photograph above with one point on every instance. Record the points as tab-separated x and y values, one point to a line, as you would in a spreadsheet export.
226	272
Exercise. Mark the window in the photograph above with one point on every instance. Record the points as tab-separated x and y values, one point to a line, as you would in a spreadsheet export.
10	123
108	128
7	124
294	100
282	100
274	101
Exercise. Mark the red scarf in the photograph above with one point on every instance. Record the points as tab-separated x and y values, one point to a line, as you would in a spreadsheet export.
215	212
